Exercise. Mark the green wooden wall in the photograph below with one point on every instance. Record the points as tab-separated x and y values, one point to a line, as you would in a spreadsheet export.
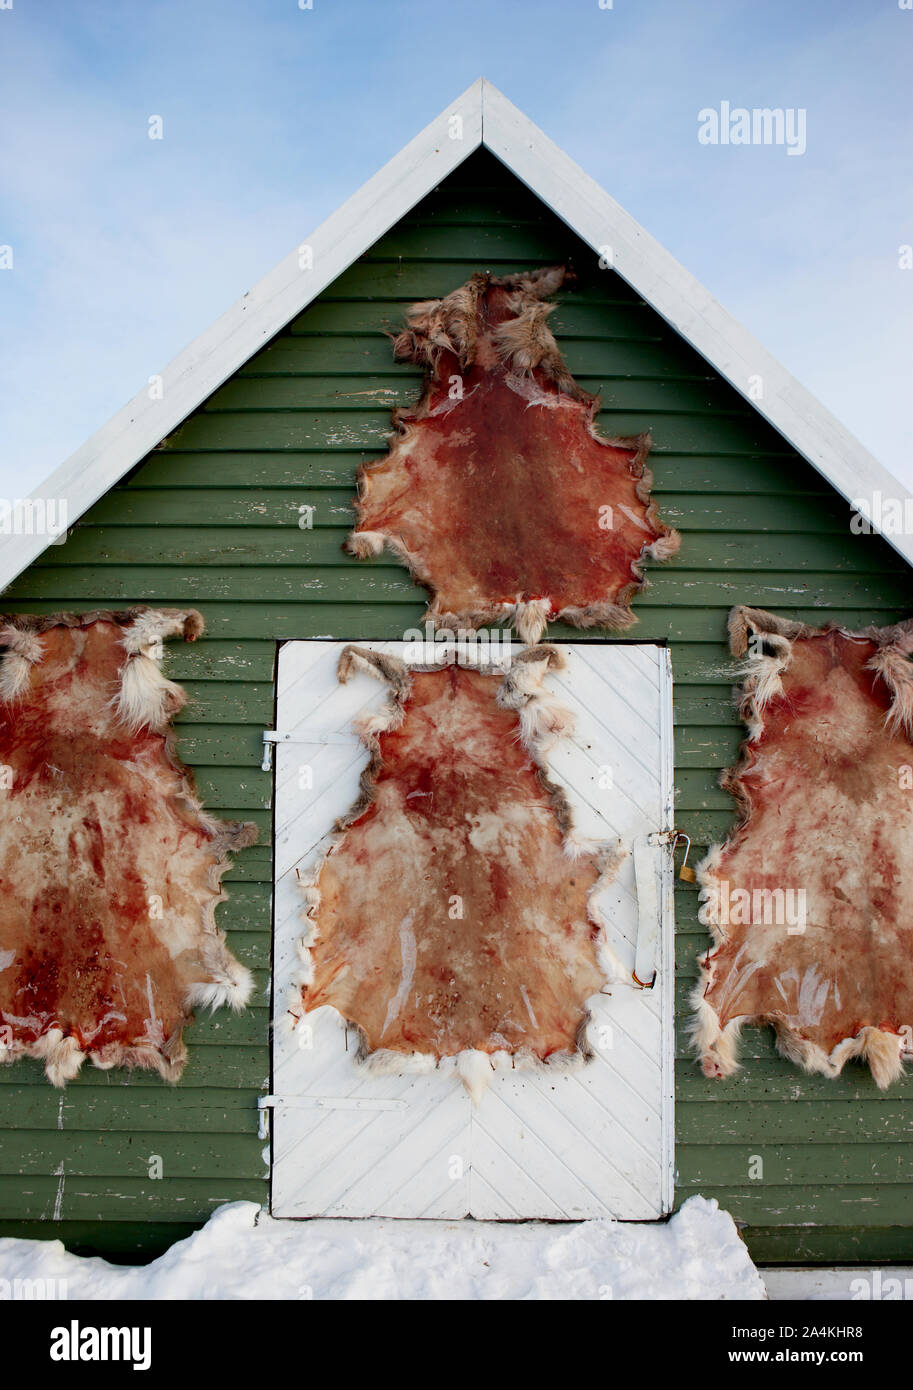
211	519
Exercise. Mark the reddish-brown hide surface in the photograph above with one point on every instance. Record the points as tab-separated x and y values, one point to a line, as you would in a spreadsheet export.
109	872
498	492
825	791
450	917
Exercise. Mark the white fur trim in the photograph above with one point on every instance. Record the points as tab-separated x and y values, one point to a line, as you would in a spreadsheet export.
24	649
385	1062
893	665
530	618
145	699
365	544
62	1056
664	547
475	1070
148	630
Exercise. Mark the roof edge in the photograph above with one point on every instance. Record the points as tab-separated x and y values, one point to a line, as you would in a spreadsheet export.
480	116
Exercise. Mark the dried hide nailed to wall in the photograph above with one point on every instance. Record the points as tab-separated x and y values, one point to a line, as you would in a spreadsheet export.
109	867
498	492
809	900
451	915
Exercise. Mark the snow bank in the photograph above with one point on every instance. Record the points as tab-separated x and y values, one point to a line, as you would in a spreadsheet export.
243	1253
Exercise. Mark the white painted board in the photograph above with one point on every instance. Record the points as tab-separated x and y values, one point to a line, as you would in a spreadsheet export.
596	1142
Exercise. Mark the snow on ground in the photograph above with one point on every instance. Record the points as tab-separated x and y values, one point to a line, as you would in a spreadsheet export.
243	1253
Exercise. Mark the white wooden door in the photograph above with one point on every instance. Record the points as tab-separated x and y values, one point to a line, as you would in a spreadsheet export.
595	1142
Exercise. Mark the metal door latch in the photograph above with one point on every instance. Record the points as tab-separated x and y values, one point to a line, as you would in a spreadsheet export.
670	839
271	736
264	1105
267	1103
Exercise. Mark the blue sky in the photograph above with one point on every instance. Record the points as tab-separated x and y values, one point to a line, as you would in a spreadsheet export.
125	248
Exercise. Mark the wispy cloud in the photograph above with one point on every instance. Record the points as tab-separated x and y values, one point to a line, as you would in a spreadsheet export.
125	248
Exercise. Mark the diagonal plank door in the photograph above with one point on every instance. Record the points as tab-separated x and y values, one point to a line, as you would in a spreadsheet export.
595	1142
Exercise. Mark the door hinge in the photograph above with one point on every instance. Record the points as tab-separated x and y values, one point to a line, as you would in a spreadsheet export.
271	736
267	1103
264	1105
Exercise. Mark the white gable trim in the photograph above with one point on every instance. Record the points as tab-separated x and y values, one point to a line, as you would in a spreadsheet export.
485	117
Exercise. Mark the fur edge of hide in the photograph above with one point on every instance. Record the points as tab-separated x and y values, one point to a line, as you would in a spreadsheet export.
150	701
144	699
472	1067
543	722
449	324
717	1047
63	1058
530	617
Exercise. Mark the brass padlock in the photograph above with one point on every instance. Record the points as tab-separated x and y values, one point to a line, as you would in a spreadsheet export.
686	873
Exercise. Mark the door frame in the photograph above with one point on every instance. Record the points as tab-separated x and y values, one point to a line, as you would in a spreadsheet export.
664	983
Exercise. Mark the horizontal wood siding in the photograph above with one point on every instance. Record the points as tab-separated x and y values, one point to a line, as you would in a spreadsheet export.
211	519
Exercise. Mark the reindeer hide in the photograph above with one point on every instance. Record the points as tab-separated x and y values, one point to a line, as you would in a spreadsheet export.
451	915
498	493
810	898
110	868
